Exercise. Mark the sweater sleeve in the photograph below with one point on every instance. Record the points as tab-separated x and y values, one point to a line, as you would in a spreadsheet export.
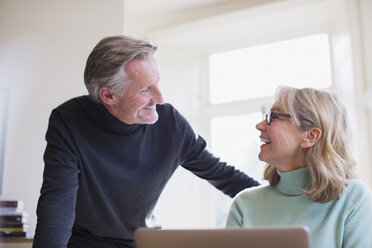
198	160
56	205
358	232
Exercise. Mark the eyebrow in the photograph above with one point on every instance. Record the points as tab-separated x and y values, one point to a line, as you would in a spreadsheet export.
275	109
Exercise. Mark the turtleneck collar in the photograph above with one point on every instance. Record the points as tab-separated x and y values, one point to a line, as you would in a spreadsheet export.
105	119
293	182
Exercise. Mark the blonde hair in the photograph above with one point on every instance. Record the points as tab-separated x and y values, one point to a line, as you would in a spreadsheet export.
105	64
329	161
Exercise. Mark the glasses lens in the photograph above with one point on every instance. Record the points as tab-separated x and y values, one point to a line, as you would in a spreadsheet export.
268	118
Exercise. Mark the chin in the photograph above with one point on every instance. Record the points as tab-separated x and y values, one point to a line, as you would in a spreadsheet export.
151	120
264	159
261	157
148	118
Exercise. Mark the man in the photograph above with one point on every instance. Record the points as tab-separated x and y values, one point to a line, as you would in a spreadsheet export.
110	154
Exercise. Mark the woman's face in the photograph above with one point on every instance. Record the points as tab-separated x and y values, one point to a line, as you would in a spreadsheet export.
282	140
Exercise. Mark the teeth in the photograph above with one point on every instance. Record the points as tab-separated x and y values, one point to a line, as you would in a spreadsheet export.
266	141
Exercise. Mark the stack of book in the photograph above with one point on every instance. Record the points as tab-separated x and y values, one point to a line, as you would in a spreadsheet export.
13	221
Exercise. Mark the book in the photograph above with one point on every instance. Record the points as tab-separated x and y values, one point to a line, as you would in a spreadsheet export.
13	217
11	224
12	229
11	206
12	234
13	221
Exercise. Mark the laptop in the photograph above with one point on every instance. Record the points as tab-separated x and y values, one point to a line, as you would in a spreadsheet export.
258	237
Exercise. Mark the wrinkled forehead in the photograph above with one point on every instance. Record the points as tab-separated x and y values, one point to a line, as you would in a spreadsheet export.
138	67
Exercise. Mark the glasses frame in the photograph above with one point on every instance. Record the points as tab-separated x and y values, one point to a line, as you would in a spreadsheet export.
269	115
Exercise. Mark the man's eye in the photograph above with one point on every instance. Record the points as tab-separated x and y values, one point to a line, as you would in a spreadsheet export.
146	90
273	116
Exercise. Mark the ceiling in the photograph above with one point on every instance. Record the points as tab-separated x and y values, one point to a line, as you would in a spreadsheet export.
150	8
144	16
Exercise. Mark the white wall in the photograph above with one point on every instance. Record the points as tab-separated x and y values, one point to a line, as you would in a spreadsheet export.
43	48
365	10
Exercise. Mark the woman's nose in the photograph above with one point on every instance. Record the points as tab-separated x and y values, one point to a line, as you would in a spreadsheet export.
261	125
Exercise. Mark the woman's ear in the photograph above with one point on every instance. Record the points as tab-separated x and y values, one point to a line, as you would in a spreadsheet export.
106	95
311	136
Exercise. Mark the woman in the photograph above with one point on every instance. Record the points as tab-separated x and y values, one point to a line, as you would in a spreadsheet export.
310	171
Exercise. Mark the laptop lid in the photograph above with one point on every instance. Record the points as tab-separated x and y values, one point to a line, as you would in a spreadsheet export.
262	237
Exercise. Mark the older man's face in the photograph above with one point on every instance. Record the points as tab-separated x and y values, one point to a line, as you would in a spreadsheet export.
138	104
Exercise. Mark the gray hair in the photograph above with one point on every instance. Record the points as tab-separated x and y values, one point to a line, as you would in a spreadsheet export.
105	64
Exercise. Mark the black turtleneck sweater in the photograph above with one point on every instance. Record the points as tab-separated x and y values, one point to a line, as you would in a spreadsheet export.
105	176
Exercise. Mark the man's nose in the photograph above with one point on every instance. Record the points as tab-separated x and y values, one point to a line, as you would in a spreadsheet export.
158	96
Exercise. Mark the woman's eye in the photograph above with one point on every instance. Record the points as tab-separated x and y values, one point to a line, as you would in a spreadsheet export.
274	116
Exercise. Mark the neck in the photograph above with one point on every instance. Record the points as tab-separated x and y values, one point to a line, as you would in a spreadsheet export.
293	182
286	168
293	163
114	112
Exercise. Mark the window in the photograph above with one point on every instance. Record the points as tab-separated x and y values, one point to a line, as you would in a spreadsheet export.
256	71
241	78
235	139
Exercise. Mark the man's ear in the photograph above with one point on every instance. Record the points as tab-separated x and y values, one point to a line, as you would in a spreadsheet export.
106	95
311	136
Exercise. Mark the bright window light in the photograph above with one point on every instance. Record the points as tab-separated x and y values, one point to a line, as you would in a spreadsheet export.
257	71
239	146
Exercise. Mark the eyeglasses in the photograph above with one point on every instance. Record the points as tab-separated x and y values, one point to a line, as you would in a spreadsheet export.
273	115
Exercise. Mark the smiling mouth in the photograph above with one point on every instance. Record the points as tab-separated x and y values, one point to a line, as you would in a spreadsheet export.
265	141
149	107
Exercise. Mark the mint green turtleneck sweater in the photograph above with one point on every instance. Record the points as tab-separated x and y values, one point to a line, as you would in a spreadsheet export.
346	222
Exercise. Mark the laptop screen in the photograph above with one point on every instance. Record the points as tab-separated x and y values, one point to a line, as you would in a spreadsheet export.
260	237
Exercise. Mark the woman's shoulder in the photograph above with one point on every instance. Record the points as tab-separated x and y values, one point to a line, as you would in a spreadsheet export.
255	192
356	186
357	193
